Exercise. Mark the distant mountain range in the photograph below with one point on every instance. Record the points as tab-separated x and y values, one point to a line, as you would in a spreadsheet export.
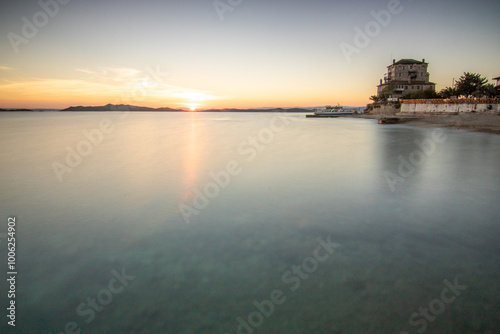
128	107
118	107
15	110
259	110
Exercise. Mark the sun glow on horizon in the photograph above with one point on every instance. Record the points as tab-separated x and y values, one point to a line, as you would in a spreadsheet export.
192	106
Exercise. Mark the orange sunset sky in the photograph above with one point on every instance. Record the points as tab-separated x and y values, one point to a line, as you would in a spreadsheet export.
209	54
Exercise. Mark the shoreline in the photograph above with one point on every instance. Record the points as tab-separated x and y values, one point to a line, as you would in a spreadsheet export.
477	122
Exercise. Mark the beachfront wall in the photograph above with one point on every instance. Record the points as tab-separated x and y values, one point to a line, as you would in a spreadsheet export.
449	106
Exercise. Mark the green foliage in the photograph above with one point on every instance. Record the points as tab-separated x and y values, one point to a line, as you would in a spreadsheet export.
448	92
374	98
489	90
386	92
470	83
423	94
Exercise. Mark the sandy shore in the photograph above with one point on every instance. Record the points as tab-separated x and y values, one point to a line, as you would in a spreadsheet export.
481	122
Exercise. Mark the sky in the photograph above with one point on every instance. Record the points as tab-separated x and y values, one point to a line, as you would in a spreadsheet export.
233	53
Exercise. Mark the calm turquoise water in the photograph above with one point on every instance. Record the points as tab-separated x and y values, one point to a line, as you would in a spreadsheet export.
141	201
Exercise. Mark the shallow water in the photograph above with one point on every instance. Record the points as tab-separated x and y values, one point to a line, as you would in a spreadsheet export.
143	199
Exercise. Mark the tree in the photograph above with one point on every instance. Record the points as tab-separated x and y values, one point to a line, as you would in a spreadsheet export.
448	92
374	98
489	90
386	92
422	94
470	83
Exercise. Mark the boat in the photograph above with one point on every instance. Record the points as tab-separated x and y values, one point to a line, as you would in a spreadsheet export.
332	111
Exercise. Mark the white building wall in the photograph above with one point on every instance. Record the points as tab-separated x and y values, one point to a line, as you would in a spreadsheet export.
448	107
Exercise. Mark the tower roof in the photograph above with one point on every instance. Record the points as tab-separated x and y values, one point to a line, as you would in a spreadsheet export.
409	62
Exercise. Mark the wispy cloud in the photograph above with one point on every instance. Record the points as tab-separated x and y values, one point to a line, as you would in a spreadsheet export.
111	74
84	70
6	68
127	85
151	84
43	87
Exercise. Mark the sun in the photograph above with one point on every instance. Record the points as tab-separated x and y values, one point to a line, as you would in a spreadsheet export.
192	106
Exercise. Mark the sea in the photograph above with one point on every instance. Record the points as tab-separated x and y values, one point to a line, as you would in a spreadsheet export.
241	223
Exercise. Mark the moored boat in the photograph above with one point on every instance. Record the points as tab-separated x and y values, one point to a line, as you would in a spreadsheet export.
332	111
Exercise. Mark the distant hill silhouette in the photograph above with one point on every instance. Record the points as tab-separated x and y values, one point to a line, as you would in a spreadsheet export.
258	110
118	107
127	107
15	110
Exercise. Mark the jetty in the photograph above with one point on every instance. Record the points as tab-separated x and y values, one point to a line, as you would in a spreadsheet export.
397	120
325	116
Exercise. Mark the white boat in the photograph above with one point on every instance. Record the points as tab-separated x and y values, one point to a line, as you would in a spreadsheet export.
332	111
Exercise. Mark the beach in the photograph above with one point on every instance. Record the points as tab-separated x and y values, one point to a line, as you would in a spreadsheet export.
480	122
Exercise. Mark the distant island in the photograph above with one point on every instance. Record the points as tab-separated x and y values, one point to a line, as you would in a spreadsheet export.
291	110
118	107
128	107
15	110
